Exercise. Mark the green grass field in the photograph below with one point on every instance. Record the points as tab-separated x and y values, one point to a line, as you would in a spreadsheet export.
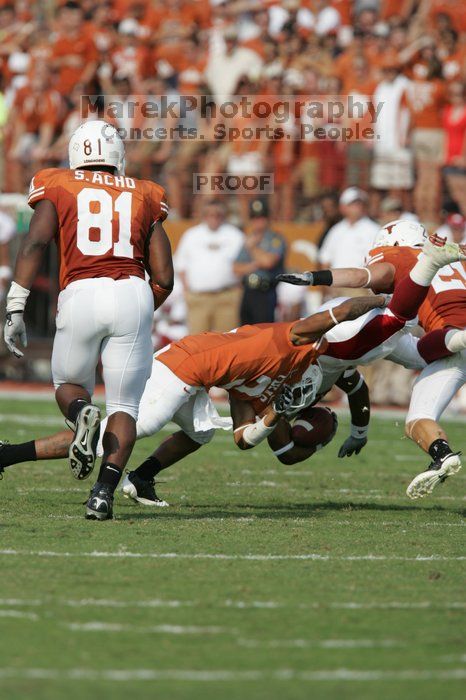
260	581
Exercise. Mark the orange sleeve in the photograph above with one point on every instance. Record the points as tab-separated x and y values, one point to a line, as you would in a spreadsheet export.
376	255
42	187
158	203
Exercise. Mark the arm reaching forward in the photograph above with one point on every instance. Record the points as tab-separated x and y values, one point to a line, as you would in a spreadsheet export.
379	277
313	327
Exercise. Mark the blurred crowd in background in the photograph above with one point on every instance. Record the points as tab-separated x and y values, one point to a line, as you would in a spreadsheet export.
406	56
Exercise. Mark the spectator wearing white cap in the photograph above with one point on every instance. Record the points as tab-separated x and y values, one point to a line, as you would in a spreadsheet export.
229	64
349	241
454	229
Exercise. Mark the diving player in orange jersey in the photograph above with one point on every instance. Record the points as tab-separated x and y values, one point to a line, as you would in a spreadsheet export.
443	317
109	233
258	365
266	369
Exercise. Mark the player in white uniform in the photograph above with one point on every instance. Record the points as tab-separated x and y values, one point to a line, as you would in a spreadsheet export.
443	317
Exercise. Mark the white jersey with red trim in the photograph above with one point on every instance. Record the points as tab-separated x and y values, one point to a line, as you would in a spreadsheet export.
361	341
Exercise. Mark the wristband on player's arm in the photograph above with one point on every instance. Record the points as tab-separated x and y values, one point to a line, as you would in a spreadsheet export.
322	278
359	432
16	298
254	433
160	294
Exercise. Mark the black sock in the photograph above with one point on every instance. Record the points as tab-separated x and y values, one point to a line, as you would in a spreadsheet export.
14	454
75	406
439	448
149	469
110	474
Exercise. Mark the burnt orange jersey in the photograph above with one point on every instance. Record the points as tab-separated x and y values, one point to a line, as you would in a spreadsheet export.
251	362
104	221
402	258
446	301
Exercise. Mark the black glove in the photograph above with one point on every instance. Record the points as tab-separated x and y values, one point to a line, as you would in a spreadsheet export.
352	446
303	279
283	401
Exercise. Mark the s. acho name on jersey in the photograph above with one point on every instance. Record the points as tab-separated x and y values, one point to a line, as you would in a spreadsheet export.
104	220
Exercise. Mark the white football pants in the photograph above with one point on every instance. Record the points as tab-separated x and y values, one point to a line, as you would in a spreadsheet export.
110	319
436	386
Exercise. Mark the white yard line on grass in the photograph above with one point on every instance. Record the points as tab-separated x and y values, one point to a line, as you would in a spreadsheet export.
123	554
235	604
229	675
19	614
319	643
353	493
97	626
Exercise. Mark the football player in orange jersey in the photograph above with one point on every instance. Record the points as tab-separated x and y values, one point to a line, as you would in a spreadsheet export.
109	233
443	317
267	369
254	364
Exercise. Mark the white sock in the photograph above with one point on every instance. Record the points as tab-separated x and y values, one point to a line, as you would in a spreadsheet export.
455	340
424	271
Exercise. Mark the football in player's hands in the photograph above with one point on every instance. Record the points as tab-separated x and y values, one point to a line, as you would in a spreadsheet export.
314	427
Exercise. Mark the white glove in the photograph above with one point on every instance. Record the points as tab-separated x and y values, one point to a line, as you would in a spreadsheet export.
15	330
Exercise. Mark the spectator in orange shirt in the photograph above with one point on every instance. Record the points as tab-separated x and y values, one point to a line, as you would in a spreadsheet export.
258	43
426	99
452	56
360	86
450	13
74	52
37	109
130	57
454	122
102	27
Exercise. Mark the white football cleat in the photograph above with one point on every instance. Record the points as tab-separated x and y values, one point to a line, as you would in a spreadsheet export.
442	253
425	482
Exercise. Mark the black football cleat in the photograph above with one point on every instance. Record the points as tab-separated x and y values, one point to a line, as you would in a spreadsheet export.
83	448
141	491
100	502
3	444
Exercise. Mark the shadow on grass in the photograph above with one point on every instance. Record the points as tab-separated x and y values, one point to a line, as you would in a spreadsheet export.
273	511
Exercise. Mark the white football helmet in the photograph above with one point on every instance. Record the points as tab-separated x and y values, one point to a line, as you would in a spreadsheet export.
97	143
305	391
401	232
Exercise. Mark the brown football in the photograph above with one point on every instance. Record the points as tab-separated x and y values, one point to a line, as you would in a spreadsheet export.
314	427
